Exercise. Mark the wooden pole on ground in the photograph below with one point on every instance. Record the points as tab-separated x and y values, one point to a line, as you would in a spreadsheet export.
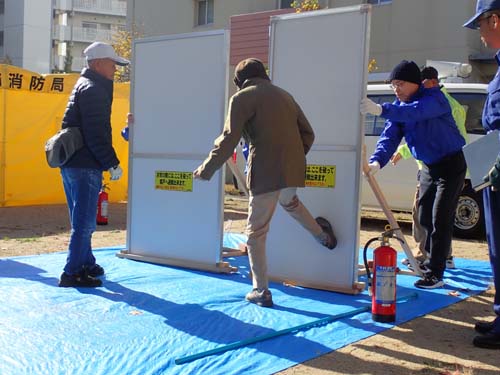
390	217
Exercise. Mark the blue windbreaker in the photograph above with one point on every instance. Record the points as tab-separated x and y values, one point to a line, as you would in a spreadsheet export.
425	122
491	110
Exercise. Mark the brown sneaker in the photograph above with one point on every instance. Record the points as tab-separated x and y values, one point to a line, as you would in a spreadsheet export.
331	241
261	297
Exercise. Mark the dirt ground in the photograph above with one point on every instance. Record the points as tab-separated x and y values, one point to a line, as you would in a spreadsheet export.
438	343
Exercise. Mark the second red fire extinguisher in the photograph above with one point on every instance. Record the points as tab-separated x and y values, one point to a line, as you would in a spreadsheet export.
383	285
102	206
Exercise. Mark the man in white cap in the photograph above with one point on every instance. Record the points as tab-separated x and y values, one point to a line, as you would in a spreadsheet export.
487	21
89	109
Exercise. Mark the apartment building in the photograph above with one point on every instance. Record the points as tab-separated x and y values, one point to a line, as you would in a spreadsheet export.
77	23
50	35
25	33
401	29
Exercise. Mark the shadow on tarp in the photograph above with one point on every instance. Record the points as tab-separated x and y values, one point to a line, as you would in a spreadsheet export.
145	316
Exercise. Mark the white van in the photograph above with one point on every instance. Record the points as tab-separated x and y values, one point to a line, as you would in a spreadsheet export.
398	182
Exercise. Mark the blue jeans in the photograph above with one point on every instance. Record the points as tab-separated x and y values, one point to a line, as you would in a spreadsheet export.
81	186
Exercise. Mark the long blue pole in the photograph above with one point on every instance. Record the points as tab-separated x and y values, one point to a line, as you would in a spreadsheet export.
319	322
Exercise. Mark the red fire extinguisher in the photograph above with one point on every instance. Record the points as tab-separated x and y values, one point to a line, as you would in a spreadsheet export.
102	206
383	285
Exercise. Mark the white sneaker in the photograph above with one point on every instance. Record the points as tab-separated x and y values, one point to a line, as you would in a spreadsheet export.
450	263
423	268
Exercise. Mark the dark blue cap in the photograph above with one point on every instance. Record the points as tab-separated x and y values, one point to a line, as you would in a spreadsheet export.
482	6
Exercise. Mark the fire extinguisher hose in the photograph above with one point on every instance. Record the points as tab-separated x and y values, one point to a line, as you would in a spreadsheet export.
253	340
365	260
389	234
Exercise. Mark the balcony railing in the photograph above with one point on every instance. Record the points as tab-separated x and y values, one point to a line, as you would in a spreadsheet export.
81	34
85	34
111	7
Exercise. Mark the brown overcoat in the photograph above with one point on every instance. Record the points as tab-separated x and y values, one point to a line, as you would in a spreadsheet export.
278	134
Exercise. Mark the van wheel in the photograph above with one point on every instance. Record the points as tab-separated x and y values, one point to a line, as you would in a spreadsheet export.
469	216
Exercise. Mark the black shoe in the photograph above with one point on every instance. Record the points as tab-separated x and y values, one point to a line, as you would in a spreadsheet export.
487	341
95	270
331	243
78	281
429	282
483	327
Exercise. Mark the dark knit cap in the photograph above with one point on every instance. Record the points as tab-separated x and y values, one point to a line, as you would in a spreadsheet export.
249	68
406	71
429	72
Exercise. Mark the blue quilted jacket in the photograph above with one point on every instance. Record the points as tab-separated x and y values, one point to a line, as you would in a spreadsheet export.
491	110
89	108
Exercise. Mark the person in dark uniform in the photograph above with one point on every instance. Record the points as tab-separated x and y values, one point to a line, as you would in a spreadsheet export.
487	21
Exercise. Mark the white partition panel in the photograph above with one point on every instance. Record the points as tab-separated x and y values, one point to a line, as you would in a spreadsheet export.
178	98
321	58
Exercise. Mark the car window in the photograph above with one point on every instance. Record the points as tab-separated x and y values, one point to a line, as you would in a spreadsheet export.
473	103
374	125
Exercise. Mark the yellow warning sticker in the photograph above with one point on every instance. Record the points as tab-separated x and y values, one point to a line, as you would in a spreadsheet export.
320	176
174	180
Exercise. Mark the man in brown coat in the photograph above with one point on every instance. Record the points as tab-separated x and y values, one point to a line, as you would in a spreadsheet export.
279	136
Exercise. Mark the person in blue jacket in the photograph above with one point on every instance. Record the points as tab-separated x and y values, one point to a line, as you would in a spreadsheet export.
423	117
129	122
89	108
487	20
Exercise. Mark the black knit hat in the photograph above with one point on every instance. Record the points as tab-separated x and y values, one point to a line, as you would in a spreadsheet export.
429	72
406	71
249	68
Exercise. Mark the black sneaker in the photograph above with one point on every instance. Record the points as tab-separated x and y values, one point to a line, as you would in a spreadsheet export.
79	281
261	297
429	282
488	341
331	242
95	270
484	327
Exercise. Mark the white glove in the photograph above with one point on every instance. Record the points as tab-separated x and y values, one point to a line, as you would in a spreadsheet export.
374	167
369	106
115	172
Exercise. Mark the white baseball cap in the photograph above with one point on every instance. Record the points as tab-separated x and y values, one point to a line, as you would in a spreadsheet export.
100	50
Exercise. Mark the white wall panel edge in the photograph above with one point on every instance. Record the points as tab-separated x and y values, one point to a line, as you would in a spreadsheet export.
328	152
179	36
156	160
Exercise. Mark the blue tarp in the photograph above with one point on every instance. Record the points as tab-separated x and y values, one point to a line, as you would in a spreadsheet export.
145	316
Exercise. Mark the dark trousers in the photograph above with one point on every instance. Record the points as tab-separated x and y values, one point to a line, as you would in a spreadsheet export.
440	187
491	201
